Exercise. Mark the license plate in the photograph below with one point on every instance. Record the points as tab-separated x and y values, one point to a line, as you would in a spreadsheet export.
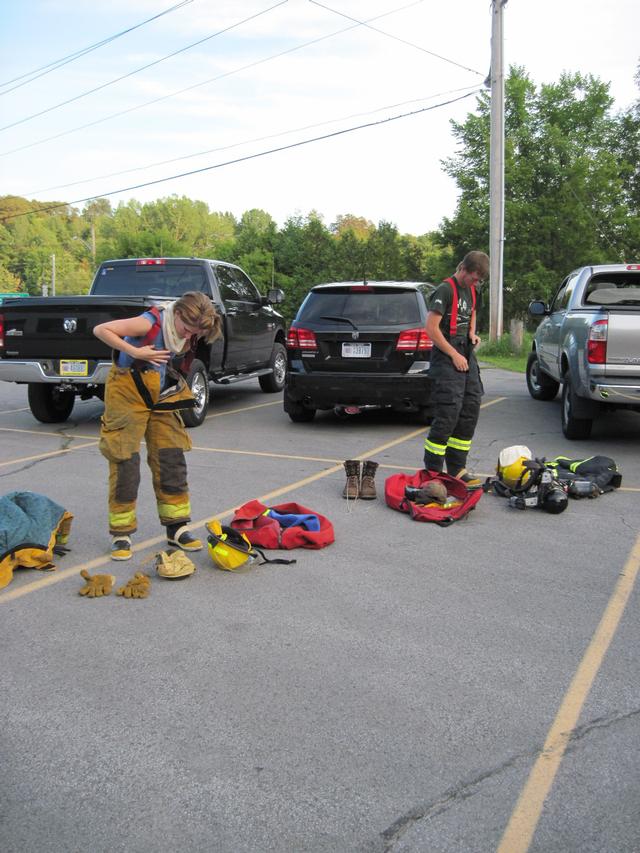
356	350
78	367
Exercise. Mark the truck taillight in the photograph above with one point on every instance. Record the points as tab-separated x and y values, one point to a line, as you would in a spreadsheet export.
597	343
150	262
301	339
413	339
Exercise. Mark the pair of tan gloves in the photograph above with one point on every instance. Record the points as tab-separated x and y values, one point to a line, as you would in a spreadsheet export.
139	586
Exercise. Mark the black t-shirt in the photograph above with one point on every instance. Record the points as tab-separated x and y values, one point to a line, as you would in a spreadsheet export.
441	301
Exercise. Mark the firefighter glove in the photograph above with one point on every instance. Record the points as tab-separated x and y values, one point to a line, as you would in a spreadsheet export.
139	586
97	585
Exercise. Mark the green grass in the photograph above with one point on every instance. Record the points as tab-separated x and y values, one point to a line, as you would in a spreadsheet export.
503	354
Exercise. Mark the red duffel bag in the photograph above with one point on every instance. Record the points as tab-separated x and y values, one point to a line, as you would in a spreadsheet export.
265	531
460	500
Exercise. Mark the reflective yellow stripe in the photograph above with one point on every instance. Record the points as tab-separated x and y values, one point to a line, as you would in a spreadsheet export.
459	443
436	449
182	510
119	520
575	465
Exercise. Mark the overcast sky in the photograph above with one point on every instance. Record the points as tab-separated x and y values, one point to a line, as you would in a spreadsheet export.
281	73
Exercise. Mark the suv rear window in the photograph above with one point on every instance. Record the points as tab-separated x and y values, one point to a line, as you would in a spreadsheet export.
363	307
154	280
613	289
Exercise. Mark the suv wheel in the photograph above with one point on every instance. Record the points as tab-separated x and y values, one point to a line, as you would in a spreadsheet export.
298	413
273	382
541	386
572	427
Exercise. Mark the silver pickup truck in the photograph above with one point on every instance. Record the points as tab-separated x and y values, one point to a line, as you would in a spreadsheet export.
589	342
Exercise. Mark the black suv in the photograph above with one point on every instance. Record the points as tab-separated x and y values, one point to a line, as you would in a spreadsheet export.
355	346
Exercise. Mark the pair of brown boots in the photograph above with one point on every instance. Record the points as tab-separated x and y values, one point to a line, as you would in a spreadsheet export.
358	486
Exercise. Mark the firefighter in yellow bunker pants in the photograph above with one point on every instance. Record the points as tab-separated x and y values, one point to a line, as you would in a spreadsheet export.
142	403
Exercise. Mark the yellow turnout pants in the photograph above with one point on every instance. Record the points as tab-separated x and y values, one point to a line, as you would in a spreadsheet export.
125	423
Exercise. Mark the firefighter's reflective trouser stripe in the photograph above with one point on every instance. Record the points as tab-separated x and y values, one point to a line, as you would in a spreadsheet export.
456	399
125	423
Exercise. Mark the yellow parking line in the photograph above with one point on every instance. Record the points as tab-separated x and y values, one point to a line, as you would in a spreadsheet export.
45	455
157	540
243	409
56	433
13	411
524	819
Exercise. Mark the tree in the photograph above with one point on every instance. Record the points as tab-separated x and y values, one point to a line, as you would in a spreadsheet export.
564	200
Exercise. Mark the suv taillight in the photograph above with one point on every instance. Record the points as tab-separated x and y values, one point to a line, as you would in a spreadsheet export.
597	343
413	339
1	331
301	339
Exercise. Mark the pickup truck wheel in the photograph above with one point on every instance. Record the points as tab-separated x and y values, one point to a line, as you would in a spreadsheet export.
49	404
198	381
541	386
273	382
572	427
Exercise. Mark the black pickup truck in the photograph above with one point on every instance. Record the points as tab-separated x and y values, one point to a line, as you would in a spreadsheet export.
48	343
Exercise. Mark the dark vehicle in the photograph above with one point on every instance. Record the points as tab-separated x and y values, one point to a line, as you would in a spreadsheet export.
48	343
355	346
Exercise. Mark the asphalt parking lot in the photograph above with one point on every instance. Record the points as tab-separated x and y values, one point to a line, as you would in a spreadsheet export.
408	688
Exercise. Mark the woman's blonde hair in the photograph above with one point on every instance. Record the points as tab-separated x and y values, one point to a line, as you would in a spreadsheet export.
196	309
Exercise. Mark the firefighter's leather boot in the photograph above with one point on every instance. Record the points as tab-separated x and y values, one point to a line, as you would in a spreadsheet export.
367	484
351	489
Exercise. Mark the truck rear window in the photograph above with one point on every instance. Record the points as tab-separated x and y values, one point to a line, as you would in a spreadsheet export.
613	289
366	308
170	280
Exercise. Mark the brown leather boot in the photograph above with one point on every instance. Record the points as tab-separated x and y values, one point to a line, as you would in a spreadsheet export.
351	489
367	484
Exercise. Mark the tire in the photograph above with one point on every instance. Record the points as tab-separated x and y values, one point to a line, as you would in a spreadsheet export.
49	404
572	427
298	413
273	382
541	386
198	381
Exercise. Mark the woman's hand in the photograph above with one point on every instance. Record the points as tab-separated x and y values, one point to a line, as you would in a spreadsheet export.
153	355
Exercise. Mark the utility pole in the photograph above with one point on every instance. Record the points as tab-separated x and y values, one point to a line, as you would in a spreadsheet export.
53	275
496	173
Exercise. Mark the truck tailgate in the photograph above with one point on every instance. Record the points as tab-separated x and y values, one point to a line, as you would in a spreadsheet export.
57	328
623	345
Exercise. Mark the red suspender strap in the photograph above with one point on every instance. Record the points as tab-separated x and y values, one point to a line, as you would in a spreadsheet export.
453	325
153	331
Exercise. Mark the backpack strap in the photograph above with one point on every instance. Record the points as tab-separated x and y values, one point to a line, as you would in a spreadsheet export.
155	326
453	323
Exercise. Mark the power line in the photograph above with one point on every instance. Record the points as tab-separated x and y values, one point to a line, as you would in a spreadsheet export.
143	67
395	38
332	135
239	144
202	83
65	60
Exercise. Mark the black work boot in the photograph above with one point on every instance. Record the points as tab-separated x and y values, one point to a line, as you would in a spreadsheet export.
351	489
367	484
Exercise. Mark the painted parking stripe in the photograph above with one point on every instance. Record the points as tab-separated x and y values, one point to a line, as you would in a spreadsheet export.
526	815
50	453
72	571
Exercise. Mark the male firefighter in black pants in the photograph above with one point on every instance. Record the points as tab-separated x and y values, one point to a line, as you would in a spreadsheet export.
456	385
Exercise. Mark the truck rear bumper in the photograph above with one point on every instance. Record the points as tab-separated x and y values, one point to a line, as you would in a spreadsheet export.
43	371
620	394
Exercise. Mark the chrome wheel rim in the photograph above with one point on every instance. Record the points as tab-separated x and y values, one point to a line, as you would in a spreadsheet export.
279	368
199	391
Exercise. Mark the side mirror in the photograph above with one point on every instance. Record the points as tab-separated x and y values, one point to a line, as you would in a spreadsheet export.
274	296
537	308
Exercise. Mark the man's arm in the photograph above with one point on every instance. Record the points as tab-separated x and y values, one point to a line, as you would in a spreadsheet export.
439	340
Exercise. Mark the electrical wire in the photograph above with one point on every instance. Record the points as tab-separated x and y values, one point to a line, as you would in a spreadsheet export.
396	38
143	67
244	159
240	144
202	83
65	60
